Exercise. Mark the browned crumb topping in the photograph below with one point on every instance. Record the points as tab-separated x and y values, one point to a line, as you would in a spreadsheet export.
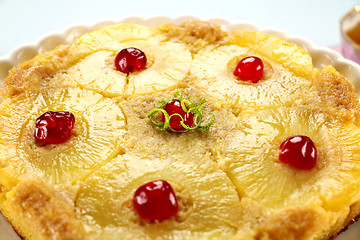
293	224
336	91
38	207
30	73
195	34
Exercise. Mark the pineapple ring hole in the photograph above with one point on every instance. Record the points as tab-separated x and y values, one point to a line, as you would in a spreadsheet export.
231	65
184	199
32	150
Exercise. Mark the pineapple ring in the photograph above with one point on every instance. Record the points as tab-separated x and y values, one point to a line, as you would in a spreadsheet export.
251	159
213	212
88	63
96	137
212	72
167	62
167	65
279	50
113	37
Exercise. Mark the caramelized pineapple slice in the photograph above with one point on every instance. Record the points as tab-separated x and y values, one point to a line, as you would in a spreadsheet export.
283	82
279	50
113	36
96	137
251	159
167	65
167	62
209	206
89	63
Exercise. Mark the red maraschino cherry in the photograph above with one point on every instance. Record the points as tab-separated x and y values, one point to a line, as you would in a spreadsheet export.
130	60
155	201
174	107
298	152
249	69
180	115
54	127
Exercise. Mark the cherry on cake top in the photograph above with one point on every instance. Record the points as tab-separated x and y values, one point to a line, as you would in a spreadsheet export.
249	69
155	201
130	60
299	152
177	115
181	115
54	127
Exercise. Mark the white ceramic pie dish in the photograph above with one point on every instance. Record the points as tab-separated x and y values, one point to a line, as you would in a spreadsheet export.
321	56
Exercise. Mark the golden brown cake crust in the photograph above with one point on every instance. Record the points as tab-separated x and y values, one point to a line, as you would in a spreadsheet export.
30	74
292	224
195	34
43	213
337	92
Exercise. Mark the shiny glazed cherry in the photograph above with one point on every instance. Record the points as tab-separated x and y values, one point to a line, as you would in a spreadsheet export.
130	60
54	127
173	108
250	68
299	152
155	201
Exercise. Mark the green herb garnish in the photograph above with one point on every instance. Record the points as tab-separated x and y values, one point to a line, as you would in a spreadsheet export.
188	118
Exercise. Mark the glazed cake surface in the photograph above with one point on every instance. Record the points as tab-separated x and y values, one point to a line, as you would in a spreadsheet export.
228	181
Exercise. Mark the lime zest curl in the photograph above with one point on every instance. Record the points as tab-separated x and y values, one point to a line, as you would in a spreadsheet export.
187	106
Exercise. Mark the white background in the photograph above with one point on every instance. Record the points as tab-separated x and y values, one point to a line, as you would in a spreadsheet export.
23	21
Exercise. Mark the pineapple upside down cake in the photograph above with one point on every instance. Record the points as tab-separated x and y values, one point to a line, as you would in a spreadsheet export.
178	132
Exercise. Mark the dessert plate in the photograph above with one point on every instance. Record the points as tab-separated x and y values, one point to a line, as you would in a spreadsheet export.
321	56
